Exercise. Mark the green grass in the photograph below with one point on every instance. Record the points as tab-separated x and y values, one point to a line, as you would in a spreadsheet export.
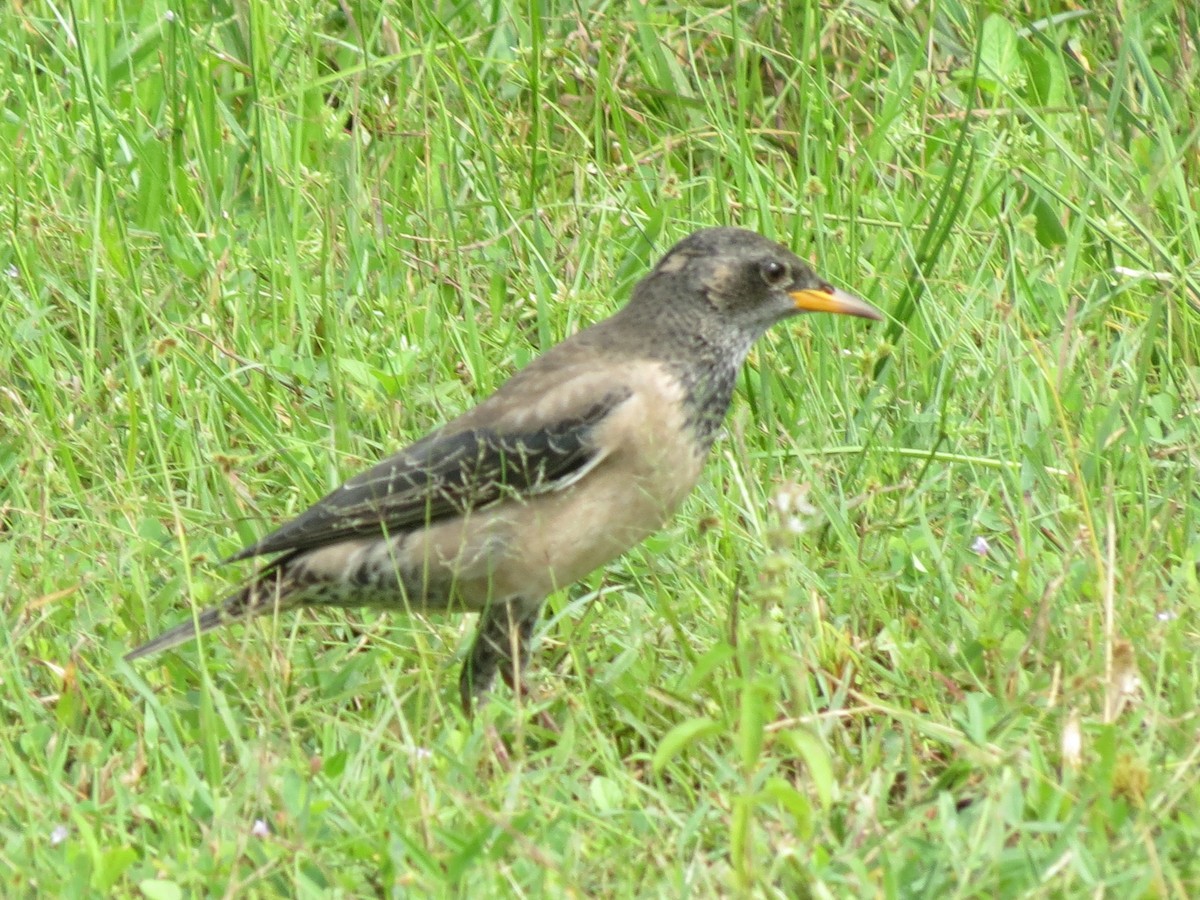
248	252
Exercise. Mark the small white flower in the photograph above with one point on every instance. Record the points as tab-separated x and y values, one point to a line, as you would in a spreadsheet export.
1071	741
169	16
260	828
792	504
12	271
793	498
1166	615
58	835
981	546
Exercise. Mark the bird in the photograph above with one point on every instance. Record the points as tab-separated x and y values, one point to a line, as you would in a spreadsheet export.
576	458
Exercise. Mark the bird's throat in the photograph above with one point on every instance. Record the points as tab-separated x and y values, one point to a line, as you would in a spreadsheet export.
708	390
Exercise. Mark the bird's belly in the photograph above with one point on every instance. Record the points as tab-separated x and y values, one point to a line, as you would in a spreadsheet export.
528	550
654	461
579	534
560	538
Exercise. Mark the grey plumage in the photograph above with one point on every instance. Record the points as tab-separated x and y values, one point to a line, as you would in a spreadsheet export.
576	458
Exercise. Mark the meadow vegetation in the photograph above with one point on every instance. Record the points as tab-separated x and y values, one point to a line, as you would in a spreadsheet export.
928	626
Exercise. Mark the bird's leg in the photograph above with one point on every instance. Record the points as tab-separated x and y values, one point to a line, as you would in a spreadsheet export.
520	635
502	642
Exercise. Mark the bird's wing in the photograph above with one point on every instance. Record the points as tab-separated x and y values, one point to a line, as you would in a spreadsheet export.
451	472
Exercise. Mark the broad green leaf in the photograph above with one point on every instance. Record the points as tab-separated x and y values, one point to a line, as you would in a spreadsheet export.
681	737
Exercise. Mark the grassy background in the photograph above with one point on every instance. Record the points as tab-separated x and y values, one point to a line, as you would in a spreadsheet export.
248	251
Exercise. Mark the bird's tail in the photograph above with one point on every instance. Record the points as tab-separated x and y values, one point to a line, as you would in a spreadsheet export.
181	634
268	592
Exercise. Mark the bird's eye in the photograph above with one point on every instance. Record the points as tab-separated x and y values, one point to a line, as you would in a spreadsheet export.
775	273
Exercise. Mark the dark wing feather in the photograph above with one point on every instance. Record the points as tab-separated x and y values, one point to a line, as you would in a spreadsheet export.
444	474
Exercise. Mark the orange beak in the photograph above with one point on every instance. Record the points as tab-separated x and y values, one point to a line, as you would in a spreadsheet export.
829	299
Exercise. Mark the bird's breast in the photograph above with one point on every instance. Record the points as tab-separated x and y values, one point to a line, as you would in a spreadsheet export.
652	460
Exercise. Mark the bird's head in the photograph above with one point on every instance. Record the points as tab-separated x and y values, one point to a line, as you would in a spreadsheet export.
742	282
